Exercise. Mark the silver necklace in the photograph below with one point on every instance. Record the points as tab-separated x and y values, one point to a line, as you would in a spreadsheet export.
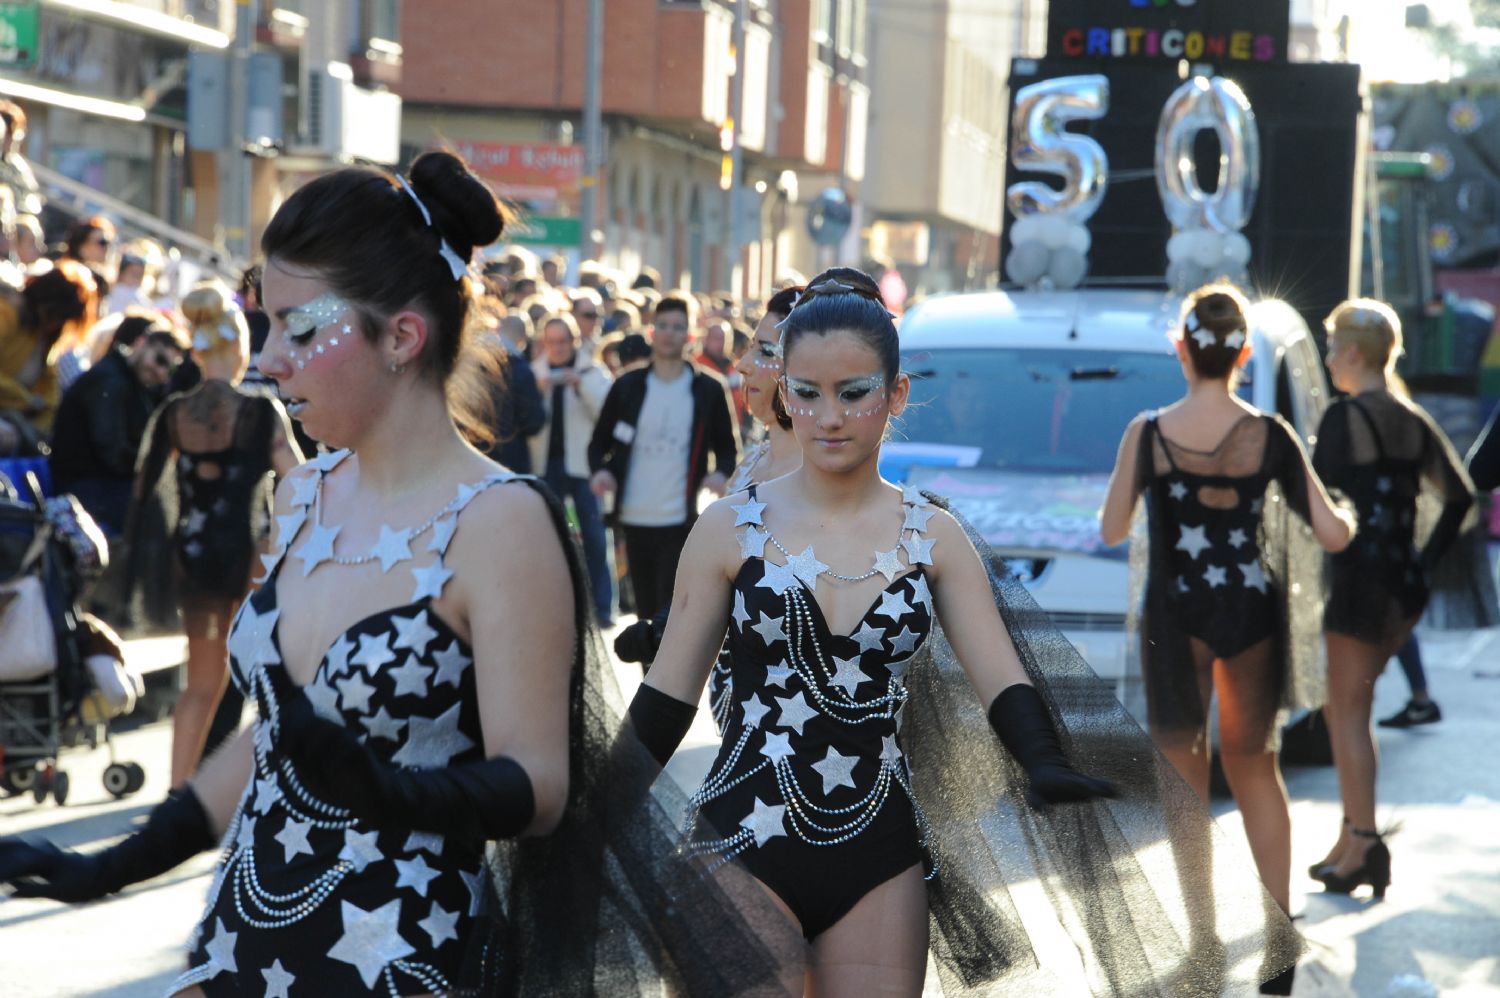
806	567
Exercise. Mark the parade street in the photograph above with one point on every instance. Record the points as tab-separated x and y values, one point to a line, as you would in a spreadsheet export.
1440	920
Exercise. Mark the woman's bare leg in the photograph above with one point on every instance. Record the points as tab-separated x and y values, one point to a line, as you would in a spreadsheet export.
1248	686
879	948
207	675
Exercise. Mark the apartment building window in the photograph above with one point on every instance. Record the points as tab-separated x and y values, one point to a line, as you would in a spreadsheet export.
384	19
823	28
860	30
846	29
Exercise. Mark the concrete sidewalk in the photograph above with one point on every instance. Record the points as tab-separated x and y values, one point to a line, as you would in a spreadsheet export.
1439	921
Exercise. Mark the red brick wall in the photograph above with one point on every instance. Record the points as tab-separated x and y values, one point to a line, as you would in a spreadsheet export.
796	32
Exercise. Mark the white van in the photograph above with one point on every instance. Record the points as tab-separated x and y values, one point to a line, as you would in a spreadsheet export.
1018	403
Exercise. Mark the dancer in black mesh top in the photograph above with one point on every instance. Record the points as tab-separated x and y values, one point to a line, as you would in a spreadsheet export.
208	454
1226	600
1385	453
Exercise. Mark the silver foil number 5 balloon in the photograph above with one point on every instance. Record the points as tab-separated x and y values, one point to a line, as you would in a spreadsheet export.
1040	143
1217	104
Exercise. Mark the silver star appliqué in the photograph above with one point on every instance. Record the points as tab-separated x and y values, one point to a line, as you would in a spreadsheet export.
371	939
304	490
893	605
360	849
324	700
777	578
779	675
288	526
293	839
430	841
778	746
770	629
1215	577
475	883
374	652
794	712
337	658
917	517
433	742
251	640
354	693
220	948
836	769
411	678
318	547
753	543
430	580
440	924
807	567
382	725
413	633
278	980
906	642
847	675
393	547
1237	538
1177	490
748	511
890	752
911	495
918	549
868	638
888	563
266	795
415	873
741	615
245	835
442	535
766	821
1255	576
1193	541
754	710
920	593
451	663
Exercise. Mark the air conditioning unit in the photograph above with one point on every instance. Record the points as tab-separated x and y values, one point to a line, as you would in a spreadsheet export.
343	121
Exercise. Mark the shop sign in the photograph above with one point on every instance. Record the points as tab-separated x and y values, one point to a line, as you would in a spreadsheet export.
546	230
1212	31
18	31
526	171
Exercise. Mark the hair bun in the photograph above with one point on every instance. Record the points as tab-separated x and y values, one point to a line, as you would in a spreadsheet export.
464	211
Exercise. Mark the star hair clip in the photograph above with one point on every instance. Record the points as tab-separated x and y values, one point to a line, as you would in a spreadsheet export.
456	264
203	339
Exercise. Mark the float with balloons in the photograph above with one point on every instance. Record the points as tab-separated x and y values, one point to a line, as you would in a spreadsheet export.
1050	238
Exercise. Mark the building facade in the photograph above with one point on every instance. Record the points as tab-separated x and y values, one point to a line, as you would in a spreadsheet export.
934	190
511	101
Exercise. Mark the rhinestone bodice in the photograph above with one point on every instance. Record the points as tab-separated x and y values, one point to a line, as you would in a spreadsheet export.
812	743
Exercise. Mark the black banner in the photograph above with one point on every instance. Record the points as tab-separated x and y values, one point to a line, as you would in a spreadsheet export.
1218	31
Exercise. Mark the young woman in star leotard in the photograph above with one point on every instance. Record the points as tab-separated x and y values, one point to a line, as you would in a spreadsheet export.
828	580
1215	474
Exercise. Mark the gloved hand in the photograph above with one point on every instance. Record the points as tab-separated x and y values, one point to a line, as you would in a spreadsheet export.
640	641
660	721
177	830
488	799
1019	716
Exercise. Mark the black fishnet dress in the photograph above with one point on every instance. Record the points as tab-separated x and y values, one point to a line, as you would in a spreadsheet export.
1386	455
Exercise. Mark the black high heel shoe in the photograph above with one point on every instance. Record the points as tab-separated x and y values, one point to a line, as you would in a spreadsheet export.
1375	870
1316	871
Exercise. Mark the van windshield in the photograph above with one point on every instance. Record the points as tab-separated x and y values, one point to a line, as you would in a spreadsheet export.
1030	409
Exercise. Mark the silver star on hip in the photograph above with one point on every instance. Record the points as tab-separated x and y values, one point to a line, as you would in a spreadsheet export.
371	939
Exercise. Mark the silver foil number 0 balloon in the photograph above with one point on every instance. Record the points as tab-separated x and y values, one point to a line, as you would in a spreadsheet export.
1040	143
1217	104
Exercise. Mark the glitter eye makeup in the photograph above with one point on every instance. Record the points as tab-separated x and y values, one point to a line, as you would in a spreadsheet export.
868	389
767	357
304	321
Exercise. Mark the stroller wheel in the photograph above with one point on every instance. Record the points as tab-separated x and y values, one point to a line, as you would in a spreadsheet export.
41	784
137	777
17	781
117	780
60	788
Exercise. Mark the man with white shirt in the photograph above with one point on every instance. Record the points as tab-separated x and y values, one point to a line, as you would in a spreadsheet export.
660	427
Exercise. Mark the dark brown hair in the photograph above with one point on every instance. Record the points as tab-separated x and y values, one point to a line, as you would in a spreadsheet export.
780	306
367	238
62	302
846	300
679	302
1220	310
80	231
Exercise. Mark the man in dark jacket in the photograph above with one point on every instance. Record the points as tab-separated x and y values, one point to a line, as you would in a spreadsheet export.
102	419
651	447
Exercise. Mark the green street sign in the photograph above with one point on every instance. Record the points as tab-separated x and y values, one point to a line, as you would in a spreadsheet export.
547	230
18	33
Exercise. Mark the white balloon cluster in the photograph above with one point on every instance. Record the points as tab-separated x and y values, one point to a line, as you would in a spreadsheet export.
1197	256
1048	251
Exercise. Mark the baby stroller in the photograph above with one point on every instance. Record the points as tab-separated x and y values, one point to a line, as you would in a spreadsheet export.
62	672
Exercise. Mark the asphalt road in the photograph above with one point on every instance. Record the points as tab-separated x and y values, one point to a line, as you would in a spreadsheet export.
1439	923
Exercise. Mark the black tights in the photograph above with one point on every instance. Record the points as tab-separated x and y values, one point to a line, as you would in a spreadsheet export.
652	554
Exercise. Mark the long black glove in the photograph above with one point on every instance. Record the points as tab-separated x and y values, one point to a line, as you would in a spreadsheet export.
640	641
661	722
1020	718
177	830
488	799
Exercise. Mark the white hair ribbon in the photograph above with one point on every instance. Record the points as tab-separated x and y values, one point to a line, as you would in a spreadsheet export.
455	262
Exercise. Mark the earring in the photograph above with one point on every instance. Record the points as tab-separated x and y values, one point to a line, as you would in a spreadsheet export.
395	367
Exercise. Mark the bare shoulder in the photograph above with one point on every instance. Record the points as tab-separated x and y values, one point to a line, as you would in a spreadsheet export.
950	542
505	520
